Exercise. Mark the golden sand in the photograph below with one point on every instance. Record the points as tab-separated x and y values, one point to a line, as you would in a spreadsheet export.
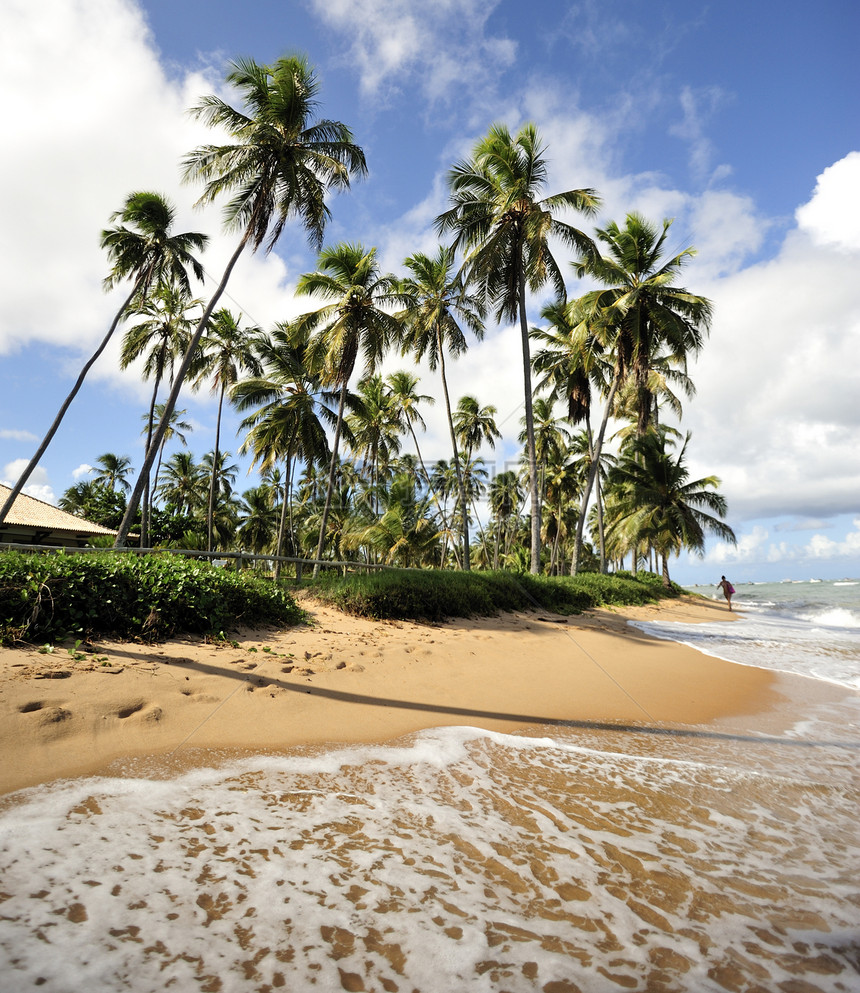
347	679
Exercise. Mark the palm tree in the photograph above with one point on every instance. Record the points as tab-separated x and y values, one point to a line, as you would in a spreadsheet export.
182	483
145	252
160	338
438	307
640	314
292	409
226	351
280	165
655	501
497	217
353	323
475	425
114	471
505	499
375	430
259	525
175	429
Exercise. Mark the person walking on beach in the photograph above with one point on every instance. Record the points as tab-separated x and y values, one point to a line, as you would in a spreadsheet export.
727	589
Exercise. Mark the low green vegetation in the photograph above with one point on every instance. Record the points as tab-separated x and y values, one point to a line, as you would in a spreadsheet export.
48	598
436	595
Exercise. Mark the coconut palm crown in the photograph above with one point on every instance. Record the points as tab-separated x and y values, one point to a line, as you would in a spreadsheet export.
499	220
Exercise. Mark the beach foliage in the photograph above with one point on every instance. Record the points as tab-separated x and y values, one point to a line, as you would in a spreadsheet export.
52	597
432	595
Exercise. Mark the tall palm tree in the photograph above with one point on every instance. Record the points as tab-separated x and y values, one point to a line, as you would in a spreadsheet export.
176	428
289	411
350	325
656	501
146	252
499	220
280	165
182	483
113	471
505	499
475	425
438	309
259	525
160	339
375	431
226	351
639	314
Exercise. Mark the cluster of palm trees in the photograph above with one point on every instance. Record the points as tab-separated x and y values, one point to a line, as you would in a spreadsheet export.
626	342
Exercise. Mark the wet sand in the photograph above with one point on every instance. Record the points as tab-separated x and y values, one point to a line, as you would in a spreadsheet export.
346	679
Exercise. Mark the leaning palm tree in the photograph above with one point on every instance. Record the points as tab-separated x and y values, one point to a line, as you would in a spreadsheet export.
656	501
279	165
351	324
226	351
640	314
438	309
146	252
496	216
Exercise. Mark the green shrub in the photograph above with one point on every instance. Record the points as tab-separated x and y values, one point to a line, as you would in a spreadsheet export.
54	596
435	595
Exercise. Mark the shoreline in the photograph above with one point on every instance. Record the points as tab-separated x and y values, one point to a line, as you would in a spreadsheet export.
348	680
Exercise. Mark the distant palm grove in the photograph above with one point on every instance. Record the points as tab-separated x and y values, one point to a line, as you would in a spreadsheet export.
336	443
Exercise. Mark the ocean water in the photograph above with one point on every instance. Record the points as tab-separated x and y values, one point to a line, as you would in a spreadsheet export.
640	858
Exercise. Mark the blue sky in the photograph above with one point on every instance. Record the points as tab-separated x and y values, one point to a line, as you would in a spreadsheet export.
738	120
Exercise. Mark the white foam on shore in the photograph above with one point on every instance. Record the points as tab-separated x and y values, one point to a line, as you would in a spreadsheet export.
457	859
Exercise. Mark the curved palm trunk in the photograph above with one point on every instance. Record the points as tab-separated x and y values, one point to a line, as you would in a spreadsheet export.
461	486
52	430
530	425
330	487
170	403
592	473
210	514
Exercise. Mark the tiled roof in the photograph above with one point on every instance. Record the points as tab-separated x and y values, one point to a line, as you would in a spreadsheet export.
27	511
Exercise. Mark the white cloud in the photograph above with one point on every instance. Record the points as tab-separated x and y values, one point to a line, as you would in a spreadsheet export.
392	41
84	469
37	486
832	216
13	435
111	139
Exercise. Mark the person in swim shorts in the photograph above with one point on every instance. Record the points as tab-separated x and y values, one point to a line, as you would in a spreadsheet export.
727	589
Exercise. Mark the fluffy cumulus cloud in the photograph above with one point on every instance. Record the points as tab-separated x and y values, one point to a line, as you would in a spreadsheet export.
76	146
832	216
776	414
37	486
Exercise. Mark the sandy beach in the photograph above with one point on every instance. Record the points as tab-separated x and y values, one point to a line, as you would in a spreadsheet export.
518	803
347	679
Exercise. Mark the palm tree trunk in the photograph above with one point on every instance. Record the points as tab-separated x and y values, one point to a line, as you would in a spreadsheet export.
210	514
52	430
330	487
170	403
592	473
530	425
457	469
